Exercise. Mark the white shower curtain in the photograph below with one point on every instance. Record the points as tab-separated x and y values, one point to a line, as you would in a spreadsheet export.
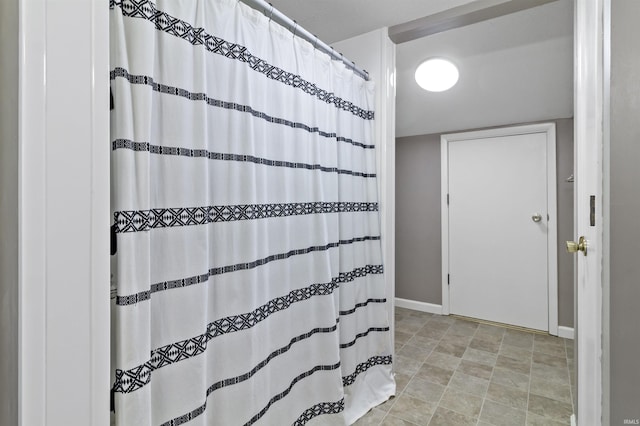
248	269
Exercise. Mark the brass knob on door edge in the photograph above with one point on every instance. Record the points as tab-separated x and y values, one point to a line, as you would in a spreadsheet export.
581	245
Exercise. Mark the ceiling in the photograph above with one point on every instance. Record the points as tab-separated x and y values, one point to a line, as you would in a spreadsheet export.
513	69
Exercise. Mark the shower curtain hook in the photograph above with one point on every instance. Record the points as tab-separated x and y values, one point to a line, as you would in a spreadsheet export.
295	28
315	43
271	13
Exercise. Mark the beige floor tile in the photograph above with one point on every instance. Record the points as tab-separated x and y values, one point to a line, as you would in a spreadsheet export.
515	352
475	369
486	329
518	333
547	338
424	390
552	374
485	344
422	315
481	357
535	420
434	374
400	337
415	352
518	340
522	366
460	402
505	377
406	365
372	418
395	421
401	381
442	319
386	406
501	415
552	409
444	361
456	372
459	329
423	342
444	417
409	326
436	324
550	349
452	349
508	396
469	384
432	332
458	339
412	409
557	391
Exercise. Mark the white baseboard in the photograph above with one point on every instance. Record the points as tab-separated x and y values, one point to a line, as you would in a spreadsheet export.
418	306
565	332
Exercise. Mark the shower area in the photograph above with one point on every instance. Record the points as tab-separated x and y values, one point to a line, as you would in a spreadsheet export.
247	276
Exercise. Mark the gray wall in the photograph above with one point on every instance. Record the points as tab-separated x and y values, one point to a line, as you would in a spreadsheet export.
624	274
9	212
418	219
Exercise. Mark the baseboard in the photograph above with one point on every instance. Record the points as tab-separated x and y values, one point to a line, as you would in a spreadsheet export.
565	332
573	420
418	306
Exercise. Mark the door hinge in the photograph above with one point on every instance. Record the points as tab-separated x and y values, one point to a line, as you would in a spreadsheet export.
448	279
447	199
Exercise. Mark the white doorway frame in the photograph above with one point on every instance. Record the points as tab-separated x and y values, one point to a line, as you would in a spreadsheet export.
549	129
591	20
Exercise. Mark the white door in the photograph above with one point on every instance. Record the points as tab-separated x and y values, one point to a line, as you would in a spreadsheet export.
498	224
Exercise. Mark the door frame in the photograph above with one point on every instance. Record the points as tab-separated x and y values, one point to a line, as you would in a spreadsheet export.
549	129
592	44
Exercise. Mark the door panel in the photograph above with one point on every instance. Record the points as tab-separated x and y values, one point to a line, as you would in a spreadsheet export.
497	252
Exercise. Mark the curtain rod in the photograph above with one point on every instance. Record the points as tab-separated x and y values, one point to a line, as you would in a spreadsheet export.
272	13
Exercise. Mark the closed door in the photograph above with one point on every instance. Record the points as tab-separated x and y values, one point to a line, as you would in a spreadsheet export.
498	228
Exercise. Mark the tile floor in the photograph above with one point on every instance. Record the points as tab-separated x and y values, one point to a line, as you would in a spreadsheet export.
455	372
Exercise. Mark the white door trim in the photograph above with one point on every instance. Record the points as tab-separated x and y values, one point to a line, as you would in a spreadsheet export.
589	117
63	347
552	236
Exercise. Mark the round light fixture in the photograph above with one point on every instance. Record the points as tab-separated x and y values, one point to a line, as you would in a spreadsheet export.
437	75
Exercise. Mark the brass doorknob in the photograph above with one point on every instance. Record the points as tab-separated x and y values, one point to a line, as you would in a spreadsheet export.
581	245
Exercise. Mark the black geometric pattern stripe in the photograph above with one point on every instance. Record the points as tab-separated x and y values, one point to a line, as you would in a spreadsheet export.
318	410
203	153
137	377
286	392
363	334
146	220
176	91
132	299
244	377
199	37
362	367
362	304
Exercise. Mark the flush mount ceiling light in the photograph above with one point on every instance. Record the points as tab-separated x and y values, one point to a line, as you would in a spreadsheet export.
437	75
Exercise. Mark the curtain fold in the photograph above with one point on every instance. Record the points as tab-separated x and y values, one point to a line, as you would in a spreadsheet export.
249	271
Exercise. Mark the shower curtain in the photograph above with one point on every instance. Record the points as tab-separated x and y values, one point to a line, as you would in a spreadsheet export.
248	269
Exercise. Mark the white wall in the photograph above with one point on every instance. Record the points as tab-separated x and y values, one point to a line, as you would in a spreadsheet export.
9	212
63	203
376	53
